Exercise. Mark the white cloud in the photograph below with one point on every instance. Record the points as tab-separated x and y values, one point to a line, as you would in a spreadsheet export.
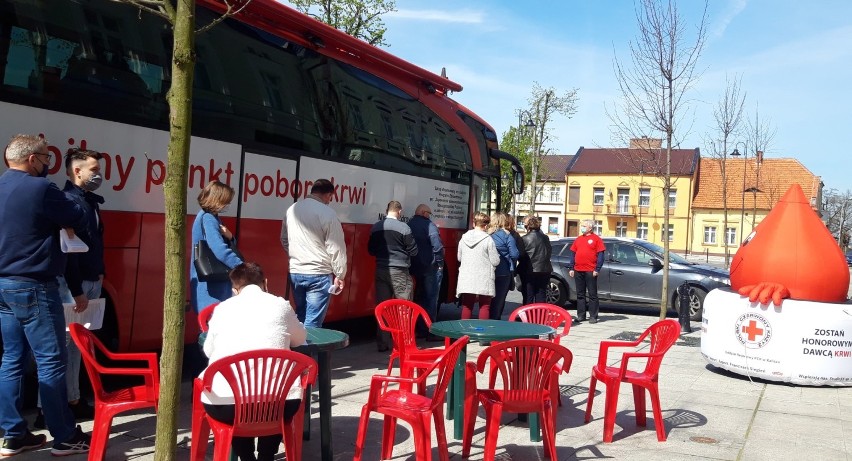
467	16
735	7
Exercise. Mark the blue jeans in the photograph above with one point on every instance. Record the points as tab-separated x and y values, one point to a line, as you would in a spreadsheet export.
310	291
426	290
32	318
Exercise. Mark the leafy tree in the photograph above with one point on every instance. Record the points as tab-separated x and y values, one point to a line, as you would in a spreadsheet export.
180	15
728	116
518	143
358	18
662	68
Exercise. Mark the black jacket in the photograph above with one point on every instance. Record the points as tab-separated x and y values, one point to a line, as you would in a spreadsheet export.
89	265
537	247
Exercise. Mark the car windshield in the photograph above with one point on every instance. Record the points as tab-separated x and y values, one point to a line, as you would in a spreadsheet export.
673	258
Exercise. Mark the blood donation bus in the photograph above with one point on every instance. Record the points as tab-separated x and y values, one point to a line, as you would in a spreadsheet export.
280	100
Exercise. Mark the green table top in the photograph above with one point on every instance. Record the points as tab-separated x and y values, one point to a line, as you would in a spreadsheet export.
323	339
491	330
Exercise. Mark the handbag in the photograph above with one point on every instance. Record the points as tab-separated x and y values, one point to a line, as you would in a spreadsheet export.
207	265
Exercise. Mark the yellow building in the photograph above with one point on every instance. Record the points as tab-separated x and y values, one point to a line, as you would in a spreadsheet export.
621	189
754	186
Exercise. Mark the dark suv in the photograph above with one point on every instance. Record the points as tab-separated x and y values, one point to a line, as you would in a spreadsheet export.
633	273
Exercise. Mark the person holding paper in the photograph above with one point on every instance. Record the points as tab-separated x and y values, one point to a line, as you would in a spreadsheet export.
32	210
84	272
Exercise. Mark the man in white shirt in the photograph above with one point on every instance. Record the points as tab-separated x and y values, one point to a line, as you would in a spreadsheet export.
313	237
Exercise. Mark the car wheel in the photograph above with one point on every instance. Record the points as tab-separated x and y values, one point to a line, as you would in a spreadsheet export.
556	292
696	303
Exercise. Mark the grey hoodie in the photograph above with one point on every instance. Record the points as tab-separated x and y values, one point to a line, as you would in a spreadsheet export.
478	256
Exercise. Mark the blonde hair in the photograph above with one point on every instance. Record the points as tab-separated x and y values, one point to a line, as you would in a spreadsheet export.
215	196
481	219
532	223
498	221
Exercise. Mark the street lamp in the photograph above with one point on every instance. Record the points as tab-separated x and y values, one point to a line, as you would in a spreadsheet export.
736	153
530	124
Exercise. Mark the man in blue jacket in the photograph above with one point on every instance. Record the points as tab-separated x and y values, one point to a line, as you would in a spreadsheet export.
428	266
33	210
84	272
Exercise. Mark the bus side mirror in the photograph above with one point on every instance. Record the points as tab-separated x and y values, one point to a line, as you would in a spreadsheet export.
517	180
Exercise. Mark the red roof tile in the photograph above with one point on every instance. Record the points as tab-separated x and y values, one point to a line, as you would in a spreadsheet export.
553	167
634	161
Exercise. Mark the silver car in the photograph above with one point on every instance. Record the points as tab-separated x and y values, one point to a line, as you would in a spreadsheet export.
633	274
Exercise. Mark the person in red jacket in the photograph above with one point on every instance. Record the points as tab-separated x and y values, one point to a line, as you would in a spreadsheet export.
588	257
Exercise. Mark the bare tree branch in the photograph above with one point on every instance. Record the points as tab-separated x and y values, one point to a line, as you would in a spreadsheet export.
230	11
156	7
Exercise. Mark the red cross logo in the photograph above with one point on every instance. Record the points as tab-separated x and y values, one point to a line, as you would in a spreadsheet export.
752	330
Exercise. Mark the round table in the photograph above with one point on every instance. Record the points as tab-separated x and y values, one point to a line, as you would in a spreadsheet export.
321	342
483	331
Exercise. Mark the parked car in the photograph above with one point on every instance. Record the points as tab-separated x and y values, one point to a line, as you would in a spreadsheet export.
849	259
633	273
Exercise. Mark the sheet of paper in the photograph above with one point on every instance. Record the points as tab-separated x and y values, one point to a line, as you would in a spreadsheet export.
92	318
70	244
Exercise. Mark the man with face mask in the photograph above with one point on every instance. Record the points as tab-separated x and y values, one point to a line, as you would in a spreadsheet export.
33	210
84	272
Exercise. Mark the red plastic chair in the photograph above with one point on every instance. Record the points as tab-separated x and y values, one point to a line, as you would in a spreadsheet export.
525	368
413	408
552	316
399	318
204	317
109	404
260	381
663	335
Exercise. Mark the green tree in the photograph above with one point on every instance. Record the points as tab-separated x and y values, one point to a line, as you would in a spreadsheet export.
180	15
518	143
662	68
358	18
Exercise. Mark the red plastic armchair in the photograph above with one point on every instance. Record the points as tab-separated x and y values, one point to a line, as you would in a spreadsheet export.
552	316
260	381
109	404
399	318
525	368
204	317
392	397
663	335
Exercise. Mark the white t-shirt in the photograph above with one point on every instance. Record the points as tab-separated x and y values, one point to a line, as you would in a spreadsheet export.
249	321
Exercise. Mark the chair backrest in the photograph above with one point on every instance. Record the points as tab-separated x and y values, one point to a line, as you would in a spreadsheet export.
445	365
663	335
204	316
260	381
399	317
545	314
524	365
88	343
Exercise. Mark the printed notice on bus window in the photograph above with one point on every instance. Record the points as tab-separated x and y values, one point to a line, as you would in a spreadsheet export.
449	202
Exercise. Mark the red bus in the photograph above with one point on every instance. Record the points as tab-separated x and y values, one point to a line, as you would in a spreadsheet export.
279	101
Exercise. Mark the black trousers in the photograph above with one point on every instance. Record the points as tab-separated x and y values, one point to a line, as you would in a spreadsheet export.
267	446
586	281
536	287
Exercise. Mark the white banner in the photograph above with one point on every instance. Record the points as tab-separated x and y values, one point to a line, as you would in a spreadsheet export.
800	342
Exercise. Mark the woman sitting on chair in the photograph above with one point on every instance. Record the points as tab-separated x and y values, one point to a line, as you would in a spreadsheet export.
252	319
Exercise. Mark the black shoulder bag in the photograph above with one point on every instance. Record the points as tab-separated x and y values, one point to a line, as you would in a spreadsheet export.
207	266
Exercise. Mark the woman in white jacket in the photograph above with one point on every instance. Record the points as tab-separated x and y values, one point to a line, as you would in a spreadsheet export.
252	319
478	257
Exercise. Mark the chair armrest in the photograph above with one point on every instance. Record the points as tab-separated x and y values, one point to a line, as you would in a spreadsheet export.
606	345
380	382
625	357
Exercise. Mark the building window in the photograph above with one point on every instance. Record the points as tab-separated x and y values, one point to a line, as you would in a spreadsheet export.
519	223
644	197
709	235
621	229
552	225
599	227
672	198
573	198
642	230
555	194
599	196
671	233
731	236
539	197
623	201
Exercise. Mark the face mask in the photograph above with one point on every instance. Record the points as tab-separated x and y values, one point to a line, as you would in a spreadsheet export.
43	172
583	229
94	182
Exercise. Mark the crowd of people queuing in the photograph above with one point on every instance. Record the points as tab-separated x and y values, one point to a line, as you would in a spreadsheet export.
36	277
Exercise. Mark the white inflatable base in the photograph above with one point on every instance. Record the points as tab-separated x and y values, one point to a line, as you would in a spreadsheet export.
800	342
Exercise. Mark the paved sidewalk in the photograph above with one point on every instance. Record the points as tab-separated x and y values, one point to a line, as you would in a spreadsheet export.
709	413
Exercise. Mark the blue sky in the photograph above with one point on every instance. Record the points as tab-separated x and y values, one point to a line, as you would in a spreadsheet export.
794	58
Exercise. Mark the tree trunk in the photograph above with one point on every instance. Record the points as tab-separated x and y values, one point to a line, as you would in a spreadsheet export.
174	297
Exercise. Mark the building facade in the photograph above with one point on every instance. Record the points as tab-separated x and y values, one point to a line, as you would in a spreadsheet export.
622	191
549	197
752	187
